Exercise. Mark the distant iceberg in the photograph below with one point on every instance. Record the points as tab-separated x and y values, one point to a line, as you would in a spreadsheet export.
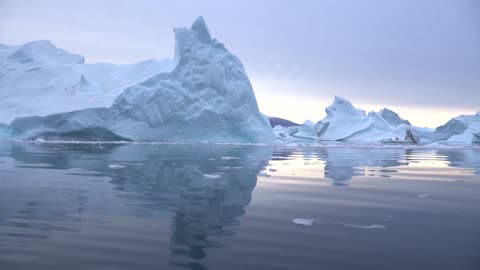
344	122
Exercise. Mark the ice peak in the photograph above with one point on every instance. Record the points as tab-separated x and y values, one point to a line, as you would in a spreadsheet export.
197	34
342	105
200	30
339	99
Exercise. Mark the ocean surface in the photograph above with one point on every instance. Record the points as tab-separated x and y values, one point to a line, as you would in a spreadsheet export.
228	207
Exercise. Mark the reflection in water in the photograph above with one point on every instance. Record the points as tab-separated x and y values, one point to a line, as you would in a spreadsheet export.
60	197
162	177
342	164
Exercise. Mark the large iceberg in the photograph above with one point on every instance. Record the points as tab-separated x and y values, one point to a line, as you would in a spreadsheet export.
207	97
38	78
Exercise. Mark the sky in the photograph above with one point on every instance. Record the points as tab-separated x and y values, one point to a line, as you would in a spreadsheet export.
420	58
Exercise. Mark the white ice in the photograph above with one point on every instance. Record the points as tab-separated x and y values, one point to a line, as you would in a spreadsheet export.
303	221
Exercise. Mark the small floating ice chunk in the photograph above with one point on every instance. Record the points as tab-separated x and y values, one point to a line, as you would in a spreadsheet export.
423	195
39	140
303	221
373	226
211	176
116	167
229	158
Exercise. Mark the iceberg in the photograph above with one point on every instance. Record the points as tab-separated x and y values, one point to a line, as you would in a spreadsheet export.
207	97
461	129
39	79
344	122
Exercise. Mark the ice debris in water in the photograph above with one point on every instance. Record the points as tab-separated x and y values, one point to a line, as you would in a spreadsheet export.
423	195
229	158
211	176
303	221
373	226
115	167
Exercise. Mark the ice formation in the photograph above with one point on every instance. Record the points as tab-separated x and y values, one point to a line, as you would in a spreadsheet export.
461	129
344	122
38	78
207	97
392	118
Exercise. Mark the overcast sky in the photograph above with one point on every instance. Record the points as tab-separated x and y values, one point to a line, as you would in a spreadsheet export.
419	57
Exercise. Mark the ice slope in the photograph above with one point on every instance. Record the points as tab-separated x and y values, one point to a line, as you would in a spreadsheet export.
207	97
392	117
461	129
38	78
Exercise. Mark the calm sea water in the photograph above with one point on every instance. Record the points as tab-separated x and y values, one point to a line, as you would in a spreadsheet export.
140	206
